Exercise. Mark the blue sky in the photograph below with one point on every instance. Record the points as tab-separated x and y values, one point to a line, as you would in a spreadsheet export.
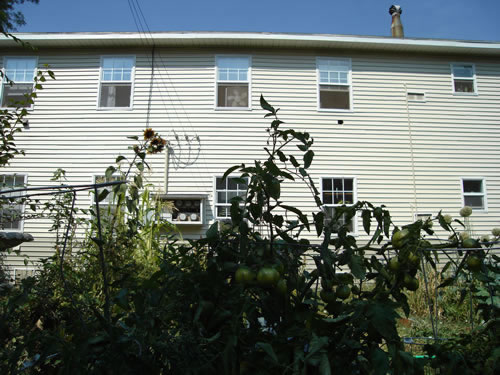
448	19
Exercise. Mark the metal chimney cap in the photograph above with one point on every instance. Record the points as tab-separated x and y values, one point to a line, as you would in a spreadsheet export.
395	9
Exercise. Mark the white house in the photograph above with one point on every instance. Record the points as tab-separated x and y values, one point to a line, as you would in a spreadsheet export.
410	123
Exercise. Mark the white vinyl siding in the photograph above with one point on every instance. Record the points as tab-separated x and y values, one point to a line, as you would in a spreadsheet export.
408	156
116	82
233	82
18	81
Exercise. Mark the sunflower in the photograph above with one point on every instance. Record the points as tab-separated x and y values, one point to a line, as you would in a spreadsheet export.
149	133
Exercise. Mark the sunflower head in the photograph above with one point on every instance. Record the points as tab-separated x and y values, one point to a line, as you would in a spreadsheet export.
149	133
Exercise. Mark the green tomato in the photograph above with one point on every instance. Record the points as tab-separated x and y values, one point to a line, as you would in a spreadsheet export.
394	265
343	291
327	296
244	275
267	276
410	283
399	237
470	243
413	259
474	263
281	287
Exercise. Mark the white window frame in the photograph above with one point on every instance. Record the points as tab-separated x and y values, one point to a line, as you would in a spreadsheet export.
101	81
473	79
484	194
349	84
354	197
248	82
4	80
23	206
228	204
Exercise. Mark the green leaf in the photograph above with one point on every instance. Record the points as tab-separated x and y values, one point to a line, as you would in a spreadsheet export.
448	281
308	158
357	266
229	171
134	137
294	161
109	172
274	189
380	361
119	158
366	215
268	349
213	231
102	195
324	365
265	105
319	222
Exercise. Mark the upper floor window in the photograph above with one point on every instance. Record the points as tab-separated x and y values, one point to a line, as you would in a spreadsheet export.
225	190
338	191
11	213
233	81
474	193
17	82
116	82
464	78
334	83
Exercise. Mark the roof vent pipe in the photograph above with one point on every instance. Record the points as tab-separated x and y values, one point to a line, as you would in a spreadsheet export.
396	26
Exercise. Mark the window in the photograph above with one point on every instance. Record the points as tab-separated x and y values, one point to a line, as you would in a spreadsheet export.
474	193
334	81
225	190
464	78
338	191
116	82
11	213
233	81
18	81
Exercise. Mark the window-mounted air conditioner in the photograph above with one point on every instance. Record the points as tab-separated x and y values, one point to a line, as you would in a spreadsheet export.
185	209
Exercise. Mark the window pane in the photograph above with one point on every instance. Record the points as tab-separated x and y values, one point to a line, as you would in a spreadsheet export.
220	184
14	95
20	69
232	95
474	201
233	62
464	71
232	184
221	197
327	184
462	85
11	213
222	211
115	95
348	184
338	198
336	97
348	198
327	198
473	186
337	184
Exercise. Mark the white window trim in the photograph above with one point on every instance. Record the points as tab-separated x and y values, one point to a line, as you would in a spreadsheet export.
215	197
3	80
354	198
21	230
484	194
349	79
132	82
249	82
473	79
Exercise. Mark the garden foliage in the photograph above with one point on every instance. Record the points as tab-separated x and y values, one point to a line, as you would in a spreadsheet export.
251	297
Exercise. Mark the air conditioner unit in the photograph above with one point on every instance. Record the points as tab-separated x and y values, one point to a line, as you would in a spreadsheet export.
185	209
